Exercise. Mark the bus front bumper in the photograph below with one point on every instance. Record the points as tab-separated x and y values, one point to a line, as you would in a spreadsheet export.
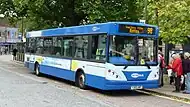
131	85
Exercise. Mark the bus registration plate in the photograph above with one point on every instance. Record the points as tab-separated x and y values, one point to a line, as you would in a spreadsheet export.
136	87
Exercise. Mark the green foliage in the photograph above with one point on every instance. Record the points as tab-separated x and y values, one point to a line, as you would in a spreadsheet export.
174	21
112	10
6	7
42	14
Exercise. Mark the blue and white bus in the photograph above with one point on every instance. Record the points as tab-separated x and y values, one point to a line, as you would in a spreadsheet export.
107	56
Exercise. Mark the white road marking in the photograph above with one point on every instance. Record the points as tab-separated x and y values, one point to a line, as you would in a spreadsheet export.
162	96
22	75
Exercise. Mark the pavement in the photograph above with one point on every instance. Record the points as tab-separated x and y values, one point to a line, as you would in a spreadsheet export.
166	90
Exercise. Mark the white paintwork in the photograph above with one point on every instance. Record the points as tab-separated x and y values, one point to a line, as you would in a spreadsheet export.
52	62
57	62
117	71
155	71
35	33
96	69
92	68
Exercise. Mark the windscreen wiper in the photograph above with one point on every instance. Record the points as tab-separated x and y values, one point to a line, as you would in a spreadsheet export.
126	66
146	64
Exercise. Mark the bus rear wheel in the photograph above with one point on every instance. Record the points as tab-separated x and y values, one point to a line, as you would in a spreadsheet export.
37	69
80	80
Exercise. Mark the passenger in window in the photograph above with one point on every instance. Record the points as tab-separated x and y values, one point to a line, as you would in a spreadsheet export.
100	54
152	58
80	43
126	56
58	54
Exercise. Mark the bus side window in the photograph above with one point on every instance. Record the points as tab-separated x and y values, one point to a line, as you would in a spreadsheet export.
32	45
98	47
81	47
47	46
67	47
39	45
56	49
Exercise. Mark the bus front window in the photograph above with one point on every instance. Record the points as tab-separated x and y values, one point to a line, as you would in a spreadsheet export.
122	50
147	51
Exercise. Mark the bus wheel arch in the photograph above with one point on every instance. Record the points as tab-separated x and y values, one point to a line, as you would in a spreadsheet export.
37	68
80	79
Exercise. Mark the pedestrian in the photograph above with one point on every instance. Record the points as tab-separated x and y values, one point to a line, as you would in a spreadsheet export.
1	50
162	65
178	70
170	72
14	53
183	76
186	68
5	51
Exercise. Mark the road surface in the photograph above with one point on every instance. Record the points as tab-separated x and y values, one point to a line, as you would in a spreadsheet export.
21	88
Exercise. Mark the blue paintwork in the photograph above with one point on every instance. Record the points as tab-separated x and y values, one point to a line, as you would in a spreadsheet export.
95	81
144	76
26	64
119	85
110	28
53	71
103	84
120	60
58	72
31	66
151	63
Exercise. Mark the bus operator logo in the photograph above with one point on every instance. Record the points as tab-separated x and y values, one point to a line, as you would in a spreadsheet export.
136	75
95	28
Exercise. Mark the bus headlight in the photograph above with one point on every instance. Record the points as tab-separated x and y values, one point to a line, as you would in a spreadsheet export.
113	74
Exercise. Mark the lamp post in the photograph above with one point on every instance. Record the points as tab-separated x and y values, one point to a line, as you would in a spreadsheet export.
22	36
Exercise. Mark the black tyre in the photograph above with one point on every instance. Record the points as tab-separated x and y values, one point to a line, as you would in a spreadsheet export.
80	80
37	69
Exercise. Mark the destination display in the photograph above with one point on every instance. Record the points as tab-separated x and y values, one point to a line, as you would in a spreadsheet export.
136	29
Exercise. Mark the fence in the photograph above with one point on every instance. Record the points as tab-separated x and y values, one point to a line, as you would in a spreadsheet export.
21	50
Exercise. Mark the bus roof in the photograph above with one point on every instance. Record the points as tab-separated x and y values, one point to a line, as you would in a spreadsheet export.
99	28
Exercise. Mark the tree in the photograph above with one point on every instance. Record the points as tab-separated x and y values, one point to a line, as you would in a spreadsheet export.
50	13
42	14
112	10
6	7
174	19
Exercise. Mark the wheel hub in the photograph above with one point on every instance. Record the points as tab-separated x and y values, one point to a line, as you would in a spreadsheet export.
81	80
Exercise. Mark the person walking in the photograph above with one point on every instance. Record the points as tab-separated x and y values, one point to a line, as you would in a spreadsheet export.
161	63
14	53
178	70
186	68
183	76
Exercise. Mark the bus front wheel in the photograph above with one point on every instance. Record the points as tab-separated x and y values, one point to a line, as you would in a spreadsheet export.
80	80
37	69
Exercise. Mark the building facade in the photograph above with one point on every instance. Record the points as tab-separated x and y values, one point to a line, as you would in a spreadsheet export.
9	36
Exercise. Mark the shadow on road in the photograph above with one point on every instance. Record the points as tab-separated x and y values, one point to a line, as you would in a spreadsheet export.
120	93
112	93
